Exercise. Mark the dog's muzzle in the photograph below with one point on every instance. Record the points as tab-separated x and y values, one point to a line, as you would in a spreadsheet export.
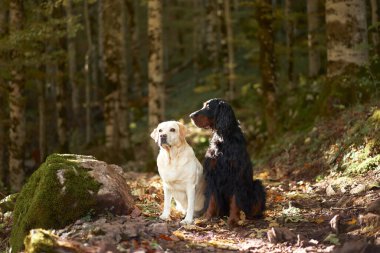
164	140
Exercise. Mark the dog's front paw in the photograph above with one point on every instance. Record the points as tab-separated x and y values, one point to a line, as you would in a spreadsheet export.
186	221
164	217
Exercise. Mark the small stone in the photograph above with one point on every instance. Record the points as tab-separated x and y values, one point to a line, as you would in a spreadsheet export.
374	207
276	235
334	224
358	189
330	191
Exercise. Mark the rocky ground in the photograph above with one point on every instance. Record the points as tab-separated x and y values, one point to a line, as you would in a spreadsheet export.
329	216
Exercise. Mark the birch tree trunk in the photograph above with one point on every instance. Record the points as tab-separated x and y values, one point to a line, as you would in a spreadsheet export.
16	105
346	27
375	24
123	93
155	66
264	17
72	65
289	42
313	24
231	54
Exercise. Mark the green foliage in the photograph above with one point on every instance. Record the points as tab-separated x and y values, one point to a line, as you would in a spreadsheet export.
58	193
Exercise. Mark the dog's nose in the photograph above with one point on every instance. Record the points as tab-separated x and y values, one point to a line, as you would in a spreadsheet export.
163	135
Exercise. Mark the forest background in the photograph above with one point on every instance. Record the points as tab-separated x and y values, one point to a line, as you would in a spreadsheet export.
95	77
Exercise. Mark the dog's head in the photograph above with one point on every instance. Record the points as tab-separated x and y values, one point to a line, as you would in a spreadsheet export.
216	114
169	134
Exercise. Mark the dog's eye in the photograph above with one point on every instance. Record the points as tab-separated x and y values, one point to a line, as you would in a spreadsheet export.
160	130
172	130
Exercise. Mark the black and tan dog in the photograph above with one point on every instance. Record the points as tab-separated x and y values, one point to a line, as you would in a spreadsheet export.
227	166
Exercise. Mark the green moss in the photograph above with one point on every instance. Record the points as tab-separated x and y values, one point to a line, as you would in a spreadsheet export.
58	193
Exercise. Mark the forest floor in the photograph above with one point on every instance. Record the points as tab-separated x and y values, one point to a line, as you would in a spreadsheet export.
301	217
323	195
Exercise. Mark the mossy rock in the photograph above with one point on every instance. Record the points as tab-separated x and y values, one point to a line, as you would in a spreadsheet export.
65	188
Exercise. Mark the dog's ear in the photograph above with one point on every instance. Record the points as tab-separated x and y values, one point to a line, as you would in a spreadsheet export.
182	130
154	135
224	116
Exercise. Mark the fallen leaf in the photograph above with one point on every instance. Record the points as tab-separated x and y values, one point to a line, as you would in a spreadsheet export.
179	234
353	221
319	220
165	237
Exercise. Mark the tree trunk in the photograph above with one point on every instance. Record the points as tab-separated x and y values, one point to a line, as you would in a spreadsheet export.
3	99
62	123
16	105
113	74
100	54
212	38
197	22
264	17
42	120
375	24
135	49
231	54
155	66
290	25
72	65
88	70
111	106
313	24
123	89
346	28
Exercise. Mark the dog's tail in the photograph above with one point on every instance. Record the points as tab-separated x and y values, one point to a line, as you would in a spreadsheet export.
260	199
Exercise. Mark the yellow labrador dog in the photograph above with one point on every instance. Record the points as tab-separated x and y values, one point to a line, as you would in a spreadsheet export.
180	171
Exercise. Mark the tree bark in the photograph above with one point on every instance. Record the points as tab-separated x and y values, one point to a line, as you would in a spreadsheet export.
3	99
124	132
42	120
197	21
101	41
72	65
375	24
88	70
16	105
313	24
212	28
290	25
264	17
155	66
346	28
230	71
62	122
135	48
